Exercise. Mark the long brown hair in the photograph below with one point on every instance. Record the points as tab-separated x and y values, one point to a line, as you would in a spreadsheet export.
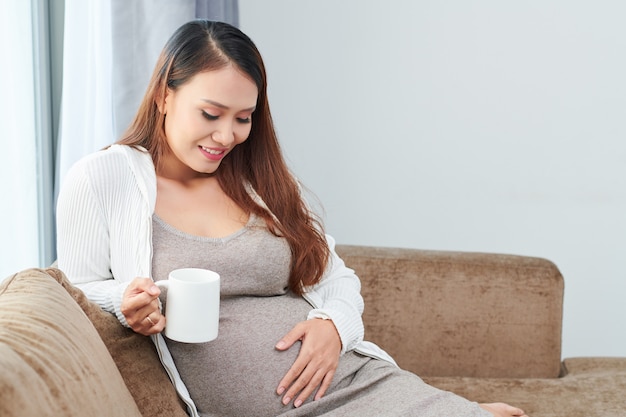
200	46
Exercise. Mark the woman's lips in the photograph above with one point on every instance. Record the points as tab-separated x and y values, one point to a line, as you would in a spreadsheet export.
212	153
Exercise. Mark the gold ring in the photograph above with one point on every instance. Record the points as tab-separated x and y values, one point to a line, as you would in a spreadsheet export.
150	320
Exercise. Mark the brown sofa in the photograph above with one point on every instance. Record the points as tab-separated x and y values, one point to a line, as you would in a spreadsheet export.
485	326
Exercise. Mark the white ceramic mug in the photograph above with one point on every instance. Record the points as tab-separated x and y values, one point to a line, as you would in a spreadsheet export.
192	305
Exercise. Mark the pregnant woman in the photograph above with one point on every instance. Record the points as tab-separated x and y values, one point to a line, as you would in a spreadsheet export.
198	180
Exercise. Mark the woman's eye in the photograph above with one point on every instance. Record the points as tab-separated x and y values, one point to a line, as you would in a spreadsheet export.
209	116
244	119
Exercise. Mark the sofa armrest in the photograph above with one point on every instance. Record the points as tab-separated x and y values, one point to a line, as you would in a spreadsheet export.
52	359
444	313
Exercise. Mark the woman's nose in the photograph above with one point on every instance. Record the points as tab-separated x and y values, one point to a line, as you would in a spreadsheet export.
225	135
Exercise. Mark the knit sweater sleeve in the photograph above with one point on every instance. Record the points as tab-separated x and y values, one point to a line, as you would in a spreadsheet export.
338	297
99	233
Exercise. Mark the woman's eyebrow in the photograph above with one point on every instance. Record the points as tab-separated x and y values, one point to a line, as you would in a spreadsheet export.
223	106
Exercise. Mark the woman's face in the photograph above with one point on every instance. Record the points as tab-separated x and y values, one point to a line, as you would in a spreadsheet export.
205	119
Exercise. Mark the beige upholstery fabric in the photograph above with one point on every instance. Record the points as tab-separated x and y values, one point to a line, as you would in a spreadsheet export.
135	356
484	326
589	387
465	314
53	362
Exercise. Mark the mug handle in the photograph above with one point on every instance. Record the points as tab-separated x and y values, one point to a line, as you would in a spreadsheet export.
163	284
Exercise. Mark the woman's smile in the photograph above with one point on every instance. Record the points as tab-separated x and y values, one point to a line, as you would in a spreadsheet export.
213	154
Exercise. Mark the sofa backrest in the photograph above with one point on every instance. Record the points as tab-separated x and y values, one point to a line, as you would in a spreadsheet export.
462	314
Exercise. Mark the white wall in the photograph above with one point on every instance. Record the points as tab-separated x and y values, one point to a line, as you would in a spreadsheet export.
491	126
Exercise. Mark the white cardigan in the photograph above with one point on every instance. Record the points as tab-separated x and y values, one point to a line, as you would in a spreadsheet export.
104	241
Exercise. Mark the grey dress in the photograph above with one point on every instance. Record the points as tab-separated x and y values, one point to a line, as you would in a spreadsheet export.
238	373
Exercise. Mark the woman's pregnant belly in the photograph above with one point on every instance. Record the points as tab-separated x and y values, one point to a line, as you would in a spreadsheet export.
238	373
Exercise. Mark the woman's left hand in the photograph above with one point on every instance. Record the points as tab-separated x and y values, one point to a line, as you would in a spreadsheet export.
316	363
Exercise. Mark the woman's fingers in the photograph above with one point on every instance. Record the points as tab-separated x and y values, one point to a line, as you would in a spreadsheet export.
139	302
316	363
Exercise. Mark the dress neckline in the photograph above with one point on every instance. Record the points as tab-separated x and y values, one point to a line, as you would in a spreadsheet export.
171	229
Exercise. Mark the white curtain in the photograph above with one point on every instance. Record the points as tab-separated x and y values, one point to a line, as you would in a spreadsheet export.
110	48
85	123
24	117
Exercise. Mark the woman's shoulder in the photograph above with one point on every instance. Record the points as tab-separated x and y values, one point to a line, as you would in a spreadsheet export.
117	181
113	161
114	167
114	154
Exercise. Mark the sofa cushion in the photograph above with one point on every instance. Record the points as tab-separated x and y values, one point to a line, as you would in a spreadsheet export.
135	356
53	361
588	387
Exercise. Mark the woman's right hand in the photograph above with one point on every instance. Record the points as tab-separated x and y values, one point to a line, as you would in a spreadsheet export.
140	307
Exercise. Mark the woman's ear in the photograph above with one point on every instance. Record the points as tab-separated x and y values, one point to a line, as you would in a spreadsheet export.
160	105
161	101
